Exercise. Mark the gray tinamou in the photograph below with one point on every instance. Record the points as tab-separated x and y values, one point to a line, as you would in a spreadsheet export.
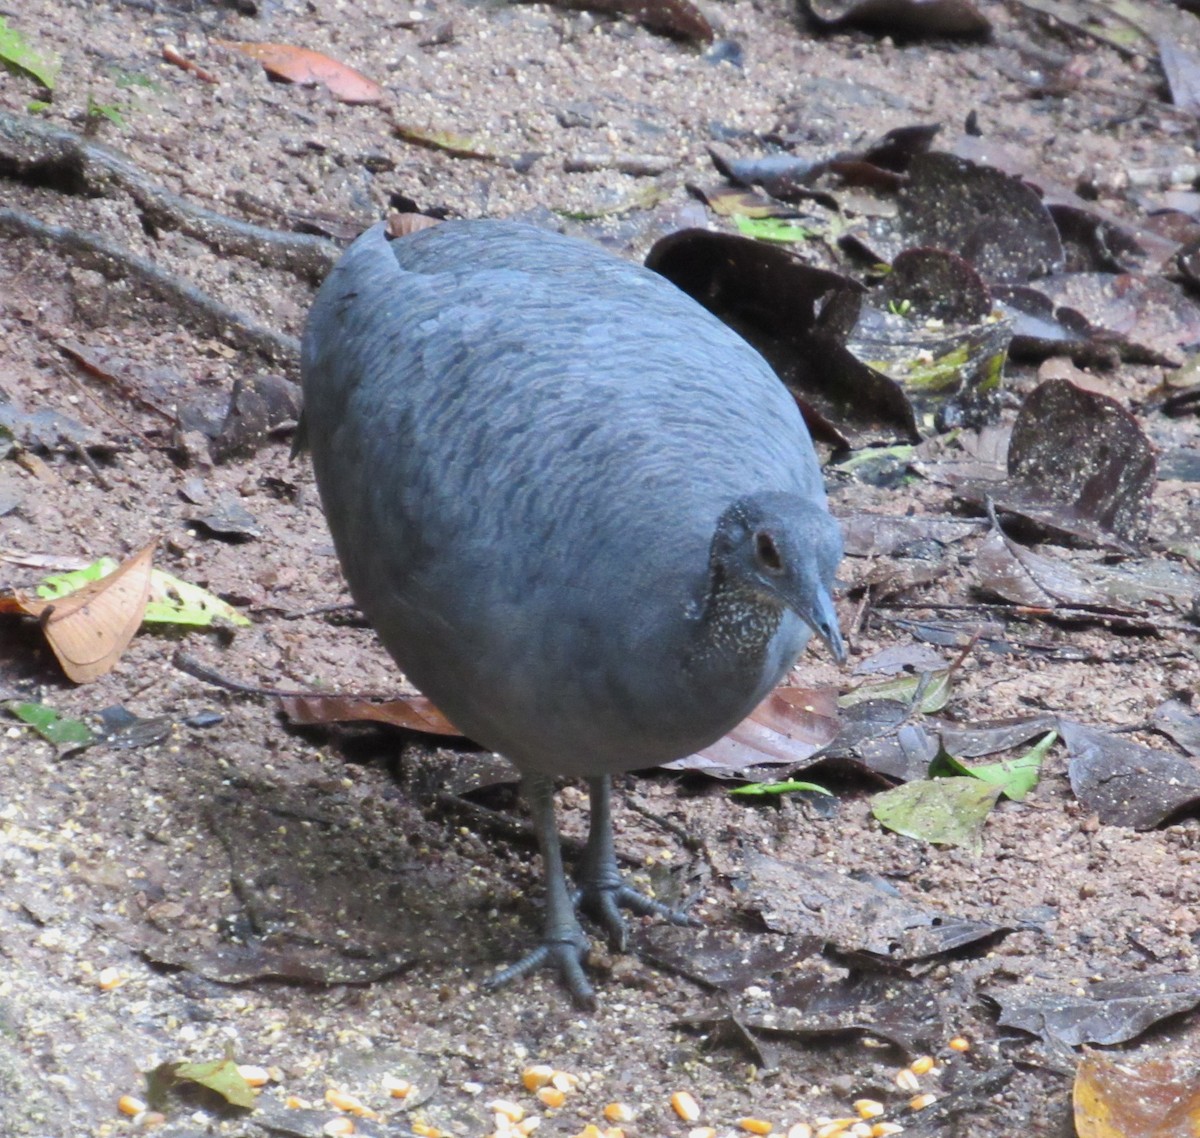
583	516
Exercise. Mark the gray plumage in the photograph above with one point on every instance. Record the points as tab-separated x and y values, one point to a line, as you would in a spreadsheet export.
584	516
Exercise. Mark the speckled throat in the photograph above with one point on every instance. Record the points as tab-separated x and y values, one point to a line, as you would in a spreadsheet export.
738	622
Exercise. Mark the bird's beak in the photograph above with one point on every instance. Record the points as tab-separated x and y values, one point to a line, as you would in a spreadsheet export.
824	622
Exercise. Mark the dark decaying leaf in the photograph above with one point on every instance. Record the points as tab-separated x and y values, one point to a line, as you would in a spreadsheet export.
257	406
679	19
1139	593
45	429
974	740
1147	319
877	736
1086	452
892	535
275	1118
807	1004
123	730
1039	328
902	18
809	899
728	960
1178	721
771	299
1108	1012
937	284
1078	464
788	727
996	222
1113	240
1114	1098
275	957
228	519
1124	783
1182	69
899	658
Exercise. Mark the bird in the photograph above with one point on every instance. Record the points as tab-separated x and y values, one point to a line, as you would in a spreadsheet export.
584	517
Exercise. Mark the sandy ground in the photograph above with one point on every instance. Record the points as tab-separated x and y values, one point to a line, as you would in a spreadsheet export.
243	846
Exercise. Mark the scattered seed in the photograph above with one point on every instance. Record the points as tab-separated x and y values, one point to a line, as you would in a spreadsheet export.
396	1087
509	1110
591	1130
756	1125
834	1128
564	1081
959	1043
149	1119
907	1081
110	978
618	1112
551	1097
800	1130
702	1132
685	1106
886	1129
349	1104
337	1127
868	1108
536	1077
923	1065
294	1103
860	1130
127	1104
527	1126
922	1101
424	1130
255	1076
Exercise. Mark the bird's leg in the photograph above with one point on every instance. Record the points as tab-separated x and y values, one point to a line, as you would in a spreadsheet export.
564	945
602	890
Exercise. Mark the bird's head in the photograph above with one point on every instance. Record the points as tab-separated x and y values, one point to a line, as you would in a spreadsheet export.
786	549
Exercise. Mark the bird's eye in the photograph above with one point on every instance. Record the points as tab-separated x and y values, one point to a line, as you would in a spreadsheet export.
767	553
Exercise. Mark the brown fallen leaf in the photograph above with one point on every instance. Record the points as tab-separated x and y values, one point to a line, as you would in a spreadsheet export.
1114	1098
305	66
89	629
414	712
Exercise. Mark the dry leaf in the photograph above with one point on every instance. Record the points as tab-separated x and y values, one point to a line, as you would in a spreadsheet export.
416	712
302	65
1155	1099
90	628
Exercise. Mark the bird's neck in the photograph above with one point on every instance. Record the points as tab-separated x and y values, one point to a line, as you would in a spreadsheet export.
735	625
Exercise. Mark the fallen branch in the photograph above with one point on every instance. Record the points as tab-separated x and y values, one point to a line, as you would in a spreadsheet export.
211	316
41	154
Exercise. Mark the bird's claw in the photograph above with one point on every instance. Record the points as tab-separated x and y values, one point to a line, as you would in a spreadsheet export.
565	954
603	902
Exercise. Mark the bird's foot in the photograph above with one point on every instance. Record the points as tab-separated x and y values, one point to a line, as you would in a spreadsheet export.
563	952
603	900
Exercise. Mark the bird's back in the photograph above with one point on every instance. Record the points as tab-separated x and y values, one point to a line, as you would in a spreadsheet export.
523	445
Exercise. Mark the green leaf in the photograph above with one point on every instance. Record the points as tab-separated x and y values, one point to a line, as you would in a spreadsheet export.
51	726
945	811
779	229
1016	778
172	601
17	55
927	691
758	789
219	1075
